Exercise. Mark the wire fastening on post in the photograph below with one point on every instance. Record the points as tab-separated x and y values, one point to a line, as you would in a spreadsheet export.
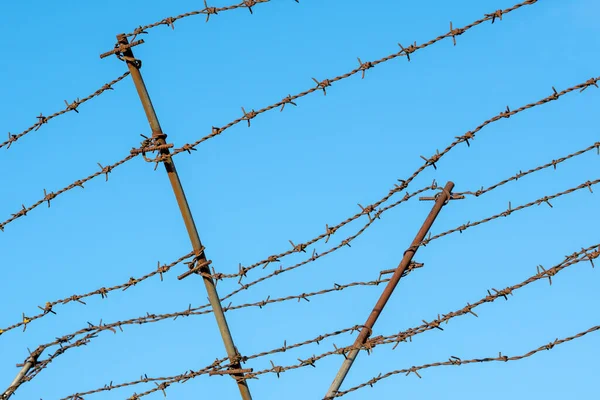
158	139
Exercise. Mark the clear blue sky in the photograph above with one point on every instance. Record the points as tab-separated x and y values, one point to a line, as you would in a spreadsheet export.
252	190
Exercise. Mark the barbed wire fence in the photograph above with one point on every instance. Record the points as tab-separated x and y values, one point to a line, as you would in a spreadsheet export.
198	263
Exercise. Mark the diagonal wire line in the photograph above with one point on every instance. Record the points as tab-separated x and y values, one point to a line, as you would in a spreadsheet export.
363	66
49	307
165	268
404	52
586	254
73	106
95	329
208	11
456	361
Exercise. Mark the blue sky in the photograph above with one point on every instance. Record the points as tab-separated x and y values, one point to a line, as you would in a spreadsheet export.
253	189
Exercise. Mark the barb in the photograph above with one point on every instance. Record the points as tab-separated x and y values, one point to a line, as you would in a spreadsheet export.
208	11
322	85
49	307
543	200
73	106
455	361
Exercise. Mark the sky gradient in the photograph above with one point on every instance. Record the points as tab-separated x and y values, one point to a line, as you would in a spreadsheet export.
251	190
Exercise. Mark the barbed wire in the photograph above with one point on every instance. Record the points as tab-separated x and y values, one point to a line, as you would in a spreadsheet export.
92	330
374	208
587	254
48	196
73	106
405	52
370	344
545	199
510	210
102	292
208	11
455	361
200	310
521	174
165	268
362	68
214	366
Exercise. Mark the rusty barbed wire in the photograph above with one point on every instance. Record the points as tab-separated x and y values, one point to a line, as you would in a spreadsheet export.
49	196
585	254
371	212
212	367
102	292
455	361
153	318
345	242
373	208
521	174
73	106
510	210
198	310
470	135
310	362
363	66
330	230
93	330
147	145
208	11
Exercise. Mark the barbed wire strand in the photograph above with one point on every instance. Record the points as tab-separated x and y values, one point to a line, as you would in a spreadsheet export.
405	52
153	318
521	174
510	210
92	330
362	68
545	199
455	361
585	254
373	342
373	208
73	106
215	365
49	307
49	196
165	268
208	11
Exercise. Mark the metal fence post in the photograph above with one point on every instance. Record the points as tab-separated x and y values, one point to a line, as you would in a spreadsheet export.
442	198
202	267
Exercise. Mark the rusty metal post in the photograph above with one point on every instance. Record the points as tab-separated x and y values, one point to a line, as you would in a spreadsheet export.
159	138
366	331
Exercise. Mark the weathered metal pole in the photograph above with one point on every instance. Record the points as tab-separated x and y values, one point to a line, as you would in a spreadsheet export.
366	331
159	138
